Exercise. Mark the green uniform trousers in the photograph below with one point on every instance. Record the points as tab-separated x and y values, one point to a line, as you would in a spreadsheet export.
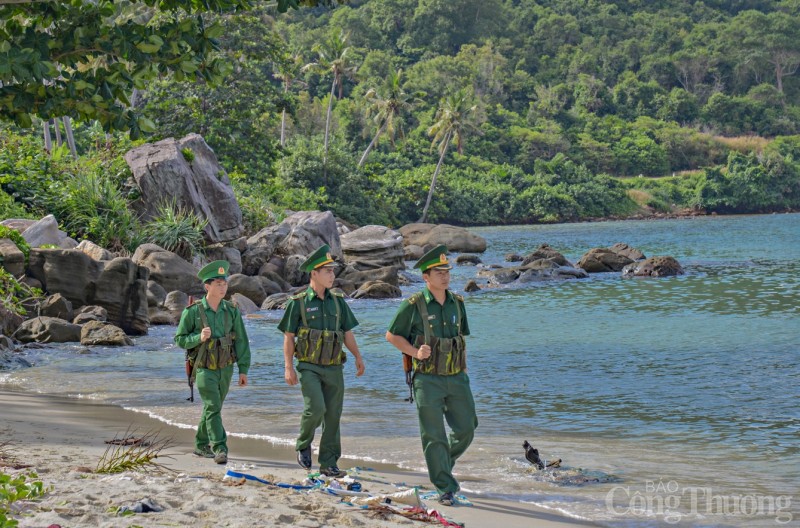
323	395
213	386
451	397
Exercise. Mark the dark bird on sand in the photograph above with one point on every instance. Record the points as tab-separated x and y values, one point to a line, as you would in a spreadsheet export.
532	455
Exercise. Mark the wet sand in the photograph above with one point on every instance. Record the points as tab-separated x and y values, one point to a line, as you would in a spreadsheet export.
63	440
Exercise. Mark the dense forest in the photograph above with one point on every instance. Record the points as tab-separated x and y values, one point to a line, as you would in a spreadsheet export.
467	112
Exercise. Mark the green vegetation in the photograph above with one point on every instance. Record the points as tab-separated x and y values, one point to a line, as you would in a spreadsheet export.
176	229
14	488
460	111
16	238
15	295
131	453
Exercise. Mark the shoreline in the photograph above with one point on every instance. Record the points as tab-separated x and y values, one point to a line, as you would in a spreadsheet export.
63	438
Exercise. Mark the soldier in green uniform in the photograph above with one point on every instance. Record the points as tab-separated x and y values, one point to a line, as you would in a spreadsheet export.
315	326
430	327
212	332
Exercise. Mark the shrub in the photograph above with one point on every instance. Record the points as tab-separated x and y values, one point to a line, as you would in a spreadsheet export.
16	238
176	229
14	488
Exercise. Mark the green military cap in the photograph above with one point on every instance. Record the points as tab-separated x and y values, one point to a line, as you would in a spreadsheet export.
214	270
319	259
435	258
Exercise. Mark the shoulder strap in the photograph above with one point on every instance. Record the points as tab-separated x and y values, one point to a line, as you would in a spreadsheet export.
203	318
457	299
418	300
301	301
338	311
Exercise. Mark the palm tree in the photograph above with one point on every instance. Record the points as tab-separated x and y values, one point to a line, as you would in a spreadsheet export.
453	118
288	69
388	110
333	58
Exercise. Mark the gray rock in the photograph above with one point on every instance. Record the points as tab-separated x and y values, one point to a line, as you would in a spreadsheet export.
57	305
163	173
230	254
468	260
169	270
276	278
47	330
270	287
245	305
175	302
98	333
18	224
627	251
600	260
276	302
255	258
121	289
387	274
90	313
299	234
500	276
155	294
68	272
514	257
44	232
250	287
413	252
544	251
457	239
653	267
377	290
471	286
9	321
11	258
292	272
160	316
373	246
94	251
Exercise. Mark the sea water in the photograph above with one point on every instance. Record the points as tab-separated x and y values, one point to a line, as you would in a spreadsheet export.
670	401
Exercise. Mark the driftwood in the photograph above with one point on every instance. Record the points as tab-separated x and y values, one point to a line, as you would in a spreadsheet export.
129	441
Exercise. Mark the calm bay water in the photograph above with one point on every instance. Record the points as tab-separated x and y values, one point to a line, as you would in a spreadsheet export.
670	401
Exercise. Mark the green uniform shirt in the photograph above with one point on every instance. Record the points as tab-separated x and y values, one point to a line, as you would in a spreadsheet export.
320	313
188	334
407	322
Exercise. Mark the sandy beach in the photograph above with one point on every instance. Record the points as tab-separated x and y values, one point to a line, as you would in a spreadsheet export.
63	440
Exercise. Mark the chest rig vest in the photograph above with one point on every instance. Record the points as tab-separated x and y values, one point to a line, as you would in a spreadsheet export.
321	347
447	353
216	352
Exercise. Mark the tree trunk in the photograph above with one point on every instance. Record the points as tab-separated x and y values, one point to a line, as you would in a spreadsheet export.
48	141
283	129
70	137
433	181
371	144
327	132
57	129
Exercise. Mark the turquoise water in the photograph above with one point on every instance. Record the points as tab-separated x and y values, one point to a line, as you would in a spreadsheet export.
675	398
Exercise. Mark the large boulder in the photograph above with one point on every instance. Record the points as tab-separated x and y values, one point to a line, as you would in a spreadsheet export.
48	330
57	305
372	247
94	251
90	313
627	251
169	270
277	301
98	333
299	234
250	287
11	258
457	239
232	255
18	224
377	290
245	305
118	285
195	181
653	267
155	294
351	274
9	321
45	232
545	252
600	260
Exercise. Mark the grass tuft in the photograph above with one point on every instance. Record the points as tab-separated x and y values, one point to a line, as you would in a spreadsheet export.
122	454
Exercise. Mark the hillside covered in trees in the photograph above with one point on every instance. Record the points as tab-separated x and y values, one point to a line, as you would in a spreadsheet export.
490	111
